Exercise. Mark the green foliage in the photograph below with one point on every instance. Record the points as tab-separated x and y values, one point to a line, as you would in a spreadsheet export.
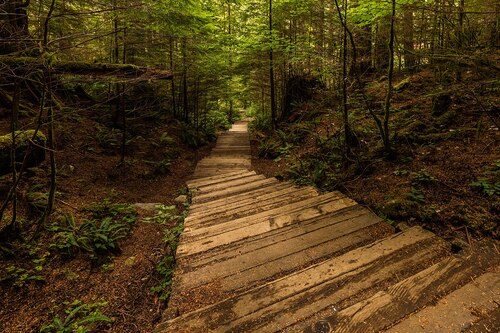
37	200
314	171
416	195
80	317
489	183
167	140
110	139
19	277
163	215
97	235
486	187
171	236
119	211
422	177
269	148
401	172
166	270
261	122
161	167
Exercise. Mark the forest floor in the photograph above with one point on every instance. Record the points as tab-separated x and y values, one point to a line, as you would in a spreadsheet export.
47	279
444	176
445	172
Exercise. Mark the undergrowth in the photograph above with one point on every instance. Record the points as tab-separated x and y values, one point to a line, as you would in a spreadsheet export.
79	317
98	235
170	216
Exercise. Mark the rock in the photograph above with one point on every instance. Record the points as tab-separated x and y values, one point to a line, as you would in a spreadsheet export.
151	207
36	156
181	199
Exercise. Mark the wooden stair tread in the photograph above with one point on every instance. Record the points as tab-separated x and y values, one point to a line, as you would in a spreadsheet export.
253	208
270	261
206	238
301	294
422	289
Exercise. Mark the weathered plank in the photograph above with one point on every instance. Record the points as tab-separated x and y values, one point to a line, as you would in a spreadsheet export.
300	295
386	307
271	219
243	271
239	211
251	200
204	189
234	190
193	184
200	207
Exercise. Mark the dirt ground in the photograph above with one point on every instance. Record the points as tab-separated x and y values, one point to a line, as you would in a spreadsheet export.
438	158
90	172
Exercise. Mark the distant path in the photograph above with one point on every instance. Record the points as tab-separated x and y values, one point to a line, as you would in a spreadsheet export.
259	255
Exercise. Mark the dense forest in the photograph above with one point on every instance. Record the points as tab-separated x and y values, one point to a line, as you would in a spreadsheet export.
107	105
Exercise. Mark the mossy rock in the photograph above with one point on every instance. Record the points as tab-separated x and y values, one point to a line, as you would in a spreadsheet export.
400	209
36	156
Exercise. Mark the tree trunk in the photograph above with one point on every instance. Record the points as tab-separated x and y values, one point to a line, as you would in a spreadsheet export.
387	141
271	66
171	58
408	40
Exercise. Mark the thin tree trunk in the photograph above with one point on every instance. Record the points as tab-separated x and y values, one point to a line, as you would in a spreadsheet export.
271	66
172	82
387	143
184	82
14	123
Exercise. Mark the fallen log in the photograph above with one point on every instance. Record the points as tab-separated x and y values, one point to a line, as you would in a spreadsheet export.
85	68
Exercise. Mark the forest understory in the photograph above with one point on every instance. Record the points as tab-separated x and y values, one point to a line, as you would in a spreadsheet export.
106	107
443	172
115	272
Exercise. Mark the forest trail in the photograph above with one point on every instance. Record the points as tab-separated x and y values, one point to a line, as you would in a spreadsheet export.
260	255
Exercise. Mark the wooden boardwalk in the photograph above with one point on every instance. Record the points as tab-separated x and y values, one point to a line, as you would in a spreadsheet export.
259	255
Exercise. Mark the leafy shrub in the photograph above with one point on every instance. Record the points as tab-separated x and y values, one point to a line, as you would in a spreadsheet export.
489	183
166	269
422	177
80	317
167	140
261	122
164	214
18	276
99	234
270	148
486	187
119	211
416	195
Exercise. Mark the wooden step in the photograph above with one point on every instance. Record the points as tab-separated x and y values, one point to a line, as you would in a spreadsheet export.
234	190
216	171
280	190
227	183
238	210
242	198
203	239
192	184
325	238
295	297
278	217
254	243
451	314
